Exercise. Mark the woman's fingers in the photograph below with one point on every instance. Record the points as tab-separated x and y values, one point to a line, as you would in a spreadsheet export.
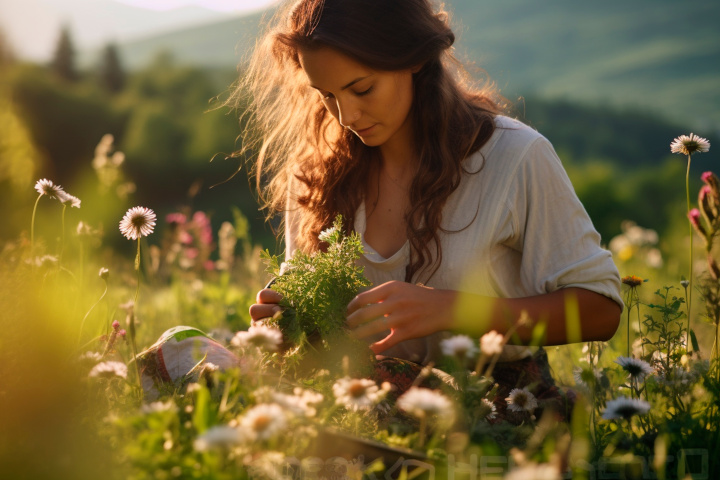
267	304
267	295
259	311
378	325
374	295
366	314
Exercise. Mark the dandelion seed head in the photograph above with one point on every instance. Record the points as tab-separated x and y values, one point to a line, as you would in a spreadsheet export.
689	144
521	399
138	222
625	408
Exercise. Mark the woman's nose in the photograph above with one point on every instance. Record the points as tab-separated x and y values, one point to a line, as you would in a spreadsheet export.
348	113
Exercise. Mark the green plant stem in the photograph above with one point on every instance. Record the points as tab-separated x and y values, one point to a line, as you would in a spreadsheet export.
62	236
687	309
423	425
690	278
82	324
131	327
32	227
642	342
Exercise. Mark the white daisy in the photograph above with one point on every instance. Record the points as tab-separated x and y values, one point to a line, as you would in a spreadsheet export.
636	368
687	145
67	199
109	369
47	187
624	407
261	336
138	222
329	235
358	393
264	421
156	407
300	403
490	407
586	376
521	399
219	436
423	402
492	343
460	346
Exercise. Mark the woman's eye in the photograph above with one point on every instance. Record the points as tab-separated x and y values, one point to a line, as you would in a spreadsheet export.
327	95
365	92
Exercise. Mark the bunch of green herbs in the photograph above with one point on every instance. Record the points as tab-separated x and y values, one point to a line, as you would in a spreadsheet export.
316	288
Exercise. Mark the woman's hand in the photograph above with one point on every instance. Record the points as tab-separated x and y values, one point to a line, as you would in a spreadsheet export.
266	306
407	310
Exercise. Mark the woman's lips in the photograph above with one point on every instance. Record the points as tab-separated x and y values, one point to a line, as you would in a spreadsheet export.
365	131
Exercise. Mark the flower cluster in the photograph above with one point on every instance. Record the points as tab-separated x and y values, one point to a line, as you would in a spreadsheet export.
48	188
636	242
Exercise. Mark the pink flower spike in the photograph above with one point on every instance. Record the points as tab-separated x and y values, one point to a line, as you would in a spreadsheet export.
694	216
122	333
115	325
712	181
177	218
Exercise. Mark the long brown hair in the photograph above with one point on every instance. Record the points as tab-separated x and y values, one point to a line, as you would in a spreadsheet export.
302	153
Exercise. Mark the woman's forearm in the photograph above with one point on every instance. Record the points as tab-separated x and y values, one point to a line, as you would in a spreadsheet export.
569	315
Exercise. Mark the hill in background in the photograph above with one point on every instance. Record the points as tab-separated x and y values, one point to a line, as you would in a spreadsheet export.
660	56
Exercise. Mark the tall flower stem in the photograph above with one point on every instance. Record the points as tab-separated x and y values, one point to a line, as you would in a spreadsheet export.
82	324
131	326
62	236
690	278
32	227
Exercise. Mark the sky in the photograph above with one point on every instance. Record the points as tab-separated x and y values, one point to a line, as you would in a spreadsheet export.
32	26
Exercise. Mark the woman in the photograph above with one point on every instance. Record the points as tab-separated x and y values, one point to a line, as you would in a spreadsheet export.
467	216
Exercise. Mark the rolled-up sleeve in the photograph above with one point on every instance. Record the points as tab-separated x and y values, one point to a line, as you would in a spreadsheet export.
559	244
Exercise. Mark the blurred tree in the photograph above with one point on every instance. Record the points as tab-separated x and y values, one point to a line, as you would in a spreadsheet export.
63	62
7	56
112	76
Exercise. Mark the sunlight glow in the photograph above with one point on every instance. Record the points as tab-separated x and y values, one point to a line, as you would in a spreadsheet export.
217	5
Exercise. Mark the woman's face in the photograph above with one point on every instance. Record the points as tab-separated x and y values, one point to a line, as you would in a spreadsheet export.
374	104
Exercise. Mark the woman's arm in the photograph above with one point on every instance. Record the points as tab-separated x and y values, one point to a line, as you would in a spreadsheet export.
414	311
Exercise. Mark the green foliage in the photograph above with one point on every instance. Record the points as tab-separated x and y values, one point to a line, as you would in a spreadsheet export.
317	288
